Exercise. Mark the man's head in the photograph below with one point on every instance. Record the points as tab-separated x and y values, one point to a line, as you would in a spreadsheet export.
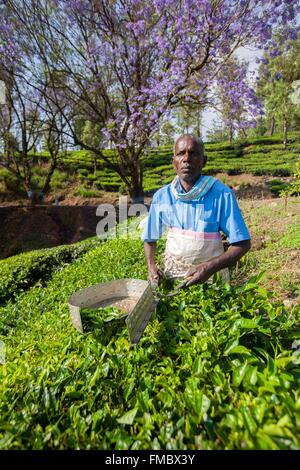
188	158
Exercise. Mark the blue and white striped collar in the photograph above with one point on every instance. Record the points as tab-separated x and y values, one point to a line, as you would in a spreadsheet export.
200	188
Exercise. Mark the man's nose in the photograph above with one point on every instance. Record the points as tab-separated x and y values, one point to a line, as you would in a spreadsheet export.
186	156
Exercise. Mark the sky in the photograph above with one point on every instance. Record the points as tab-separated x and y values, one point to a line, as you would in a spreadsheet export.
246	53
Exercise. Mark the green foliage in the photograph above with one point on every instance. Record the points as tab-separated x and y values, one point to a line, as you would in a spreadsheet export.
91	134
275	225
60	179
110	186
188	119
83	172
293	189
11	182
277	186
213	370
85	192
19	273
258	156
275	85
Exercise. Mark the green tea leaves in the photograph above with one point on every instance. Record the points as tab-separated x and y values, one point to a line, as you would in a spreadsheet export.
215	368
128	418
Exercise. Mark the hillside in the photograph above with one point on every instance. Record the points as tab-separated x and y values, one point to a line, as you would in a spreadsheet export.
77	177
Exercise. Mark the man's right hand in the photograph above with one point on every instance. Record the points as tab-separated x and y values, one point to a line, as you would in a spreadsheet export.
155	275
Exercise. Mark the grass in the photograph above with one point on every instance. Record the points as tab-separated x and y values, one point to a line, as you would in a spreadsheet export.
274	224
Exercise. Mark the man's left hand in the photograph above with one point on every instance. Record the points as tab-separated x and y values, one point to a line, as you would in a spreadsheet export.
201	272
197	275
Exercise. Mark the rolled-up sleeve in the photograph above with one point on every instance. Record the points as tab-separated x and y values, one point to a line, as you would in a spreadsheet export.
232	222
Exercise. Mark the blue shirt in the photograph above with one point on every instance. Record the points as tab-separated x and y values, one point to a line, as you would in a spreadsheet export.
216	211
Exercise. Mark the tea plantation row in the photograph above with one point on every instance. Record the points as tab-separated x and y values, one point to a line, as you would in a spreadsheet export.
261	156
215	368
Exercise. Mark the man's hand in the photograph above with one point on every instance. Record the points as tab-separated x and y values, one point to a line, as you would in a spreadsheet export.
154	272
197	275
200	273
154	275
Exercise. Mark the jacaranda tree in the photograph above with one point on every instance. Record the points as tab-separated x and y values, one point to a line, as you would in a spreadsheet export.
124	64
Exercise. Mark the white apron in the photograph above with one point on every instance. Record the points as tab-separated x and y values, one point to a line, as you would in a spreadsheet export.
185	249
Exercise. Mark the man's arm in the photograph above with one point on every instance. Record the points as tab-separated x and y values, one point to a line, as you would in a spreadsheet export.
154	273
204	271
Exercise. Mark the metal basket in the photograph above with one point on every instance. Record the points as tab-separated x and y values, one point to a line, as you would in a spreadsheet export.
133	295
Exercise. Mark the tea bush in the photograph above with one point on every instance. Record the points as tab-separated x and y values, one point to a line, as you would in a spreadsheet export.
19	273
215	368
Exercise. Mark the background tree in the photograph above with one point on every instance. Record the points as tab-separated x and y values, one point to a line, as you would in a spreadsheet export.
165	134
217	132
127	63
91	135
279	70
234	112
189	118
28	123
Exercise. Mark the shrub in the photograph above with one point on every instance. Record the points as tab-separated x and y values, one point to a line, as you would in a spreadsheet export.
281	172
86	192
60	179
83	172
213	370
110	186
293	188
19	273
12	183
277	186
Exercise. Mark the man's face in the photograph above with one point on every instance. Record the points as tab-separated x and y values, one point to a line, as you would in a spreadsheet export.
188	160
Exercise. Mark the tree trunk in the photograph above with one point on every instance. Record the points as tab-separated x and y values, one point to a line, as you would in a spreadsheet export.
285	132
30	192
95	163
136	185
272	126
199	125
244	133
158	138
231	134
47	184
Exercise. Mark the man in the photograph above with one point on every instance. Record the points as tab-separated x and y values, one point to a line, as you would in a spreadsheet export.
194	209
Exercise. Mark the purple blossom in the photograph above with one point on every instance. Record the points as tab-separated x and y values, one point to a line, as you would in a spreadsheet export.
138	58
